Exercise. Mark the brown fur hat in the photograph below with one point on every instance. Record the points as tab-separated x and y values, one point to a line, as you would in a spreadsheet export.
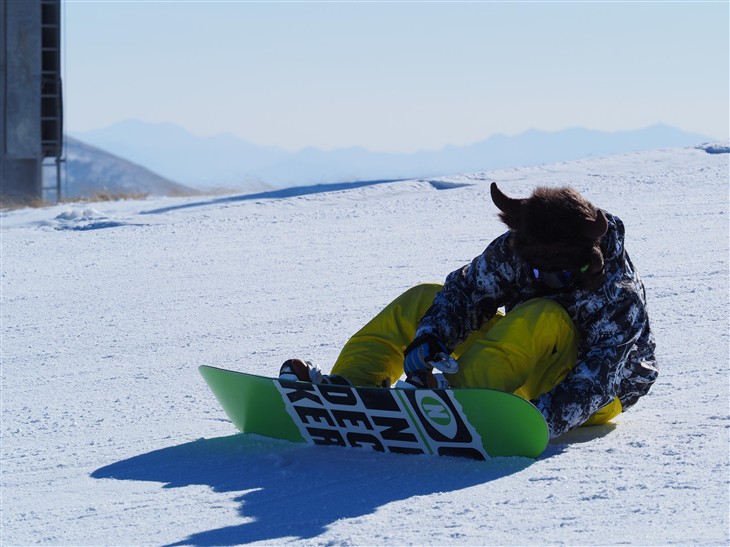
554	229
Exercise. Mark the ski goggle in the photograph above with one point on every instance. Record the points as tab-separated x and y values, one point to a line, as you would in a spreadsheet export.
558	279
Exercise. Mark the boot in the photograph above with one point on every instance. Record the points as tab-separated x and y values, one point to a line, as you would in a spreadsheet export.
298	370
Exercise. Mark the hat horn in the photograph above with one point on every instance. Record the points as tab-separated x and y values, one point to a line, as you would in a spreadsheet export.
595	229
509	206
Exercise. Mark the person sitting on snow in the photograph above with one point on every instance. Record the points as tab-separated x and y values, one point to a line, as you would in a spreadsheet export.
574	339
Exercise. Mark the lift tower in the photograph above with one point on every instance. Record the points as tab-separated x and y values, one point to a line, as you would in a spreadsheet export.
31	108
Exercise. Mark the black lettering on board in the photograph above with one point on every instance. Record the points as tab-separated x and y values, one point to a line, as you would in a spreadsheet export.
351	418
338	395
378	399
358	440
326	437
394	429
314	415
297	391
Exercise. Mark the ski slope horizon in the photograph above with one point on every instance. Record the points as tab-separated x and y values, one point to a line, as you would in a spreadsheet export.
227	161
110	436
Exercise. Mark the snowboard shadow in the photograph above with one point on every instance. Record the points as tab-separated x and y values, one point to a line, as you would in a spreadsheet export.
290	490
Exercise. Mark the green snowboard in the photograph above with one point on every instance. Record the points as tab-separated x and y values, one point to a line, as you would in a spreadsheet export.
473	423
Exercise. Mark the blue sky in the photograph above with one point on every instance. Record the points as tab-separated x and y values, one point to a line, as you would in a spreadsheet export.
396	76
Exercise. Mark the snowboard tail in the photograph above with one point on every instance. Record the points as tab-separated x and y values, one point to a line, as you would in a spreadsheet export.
473	423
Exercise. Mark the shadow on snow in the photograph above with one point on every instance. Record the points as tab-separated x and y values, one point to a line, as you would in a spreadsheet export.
299	191
288	489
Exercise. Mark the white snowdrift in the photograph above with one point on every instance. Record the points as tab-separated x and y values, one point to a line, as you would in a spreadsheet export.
110	436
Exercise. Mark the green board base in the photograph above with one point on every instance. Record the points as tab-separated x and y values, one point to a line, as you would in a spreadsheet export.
474	423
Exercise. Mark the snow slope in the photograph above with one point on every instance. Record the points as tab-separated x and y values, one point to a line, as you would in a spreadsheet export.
111	437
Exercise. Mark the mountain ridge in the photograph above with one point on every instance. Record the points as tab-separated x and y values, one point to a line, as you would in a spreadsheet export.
90	171
228	161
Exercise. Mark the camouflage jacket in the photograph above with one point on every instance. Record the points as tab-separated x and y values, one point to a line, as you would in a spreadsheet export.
616	348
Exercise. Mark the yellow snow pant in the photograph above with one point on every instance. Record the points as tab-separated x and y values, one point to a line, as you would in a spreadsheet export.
527	352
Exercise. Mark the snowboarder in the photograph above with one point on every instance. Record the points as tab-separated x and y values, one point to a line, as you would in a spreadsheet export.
574	338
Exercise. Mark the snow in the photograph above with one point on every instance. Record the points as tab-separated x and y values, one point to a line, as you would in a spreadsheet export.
111	437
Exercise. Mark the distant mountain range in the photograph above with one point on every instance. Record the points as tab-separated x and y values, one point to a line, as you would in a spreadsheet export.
90	171
227	161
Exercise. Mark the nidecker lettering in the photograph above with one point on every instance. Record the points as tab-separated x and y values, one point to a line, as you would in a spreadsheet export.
421	422
337	415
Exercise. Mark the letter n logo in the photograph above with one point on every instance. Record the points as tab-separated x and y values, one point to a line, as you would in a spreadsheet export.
437	414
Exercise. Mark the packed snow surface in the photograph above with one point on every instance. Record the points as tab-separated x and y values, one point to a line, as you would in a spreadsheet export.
111	437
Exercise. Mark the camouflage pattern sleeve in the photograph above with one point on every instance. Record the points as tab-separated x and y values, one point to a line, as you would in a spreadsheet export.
606	365
471	295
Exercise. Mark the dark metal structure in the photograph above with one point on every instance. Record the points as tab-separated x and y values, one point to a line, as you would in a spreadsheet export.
31	107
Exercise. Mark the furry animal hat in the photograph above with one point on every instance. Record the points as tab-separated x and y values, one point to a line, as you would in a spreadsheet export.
554	229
